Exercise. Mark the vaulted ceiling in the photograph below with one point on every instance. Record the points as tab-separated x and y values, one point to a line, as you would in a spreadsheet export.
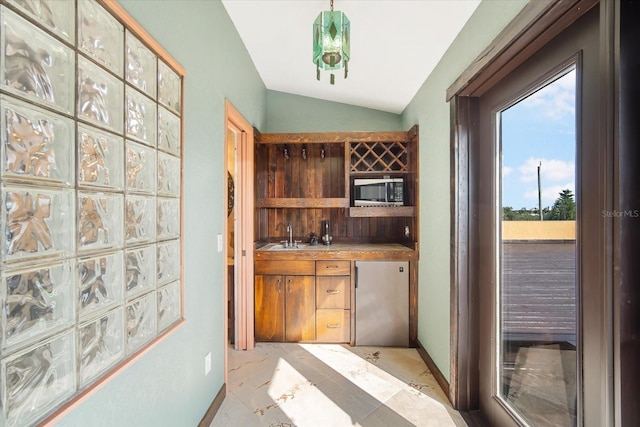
395	44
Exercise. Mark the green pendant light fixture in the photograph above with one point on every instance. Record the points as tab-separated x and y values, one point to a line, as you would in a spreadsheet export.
331	42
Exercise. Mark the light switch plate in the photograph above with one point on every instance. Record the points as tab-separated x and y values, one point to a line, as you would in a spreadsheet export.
207	364
220	242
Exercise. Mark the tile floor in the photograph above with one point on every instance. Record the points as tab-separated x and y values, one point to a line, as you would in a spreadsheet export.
304	385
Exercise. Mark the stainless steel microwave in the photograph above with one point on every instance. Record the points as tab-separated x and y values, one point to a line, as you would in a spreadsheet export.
378	192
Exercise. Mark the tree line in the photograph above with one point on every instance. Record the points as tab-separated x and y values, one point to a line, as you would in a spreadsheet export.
563	209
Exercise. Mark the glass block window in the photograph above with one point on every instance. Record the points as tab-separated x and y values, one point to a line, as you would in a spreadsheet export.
90	187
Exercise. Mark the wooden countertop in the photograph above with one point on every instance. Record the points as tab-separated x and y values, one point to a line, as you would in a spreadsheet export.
350	251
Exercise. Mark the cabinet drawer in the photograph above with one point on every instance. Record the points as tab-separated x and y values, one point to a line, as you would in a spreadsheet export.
333	268
297	268
333	325
333	292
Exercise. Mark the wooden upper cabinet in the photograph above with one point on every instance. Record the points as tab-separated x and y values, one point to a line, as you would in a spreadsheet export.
306	180
316	170
301	176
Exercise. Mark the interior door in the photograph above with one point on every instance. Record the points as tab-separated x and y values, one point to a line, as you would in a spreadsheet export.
542	326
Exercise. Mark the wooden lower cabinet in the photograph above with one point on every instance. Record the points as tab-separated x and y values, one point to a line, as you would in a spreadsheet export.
303	301
284	308
269	308
333	301
300	302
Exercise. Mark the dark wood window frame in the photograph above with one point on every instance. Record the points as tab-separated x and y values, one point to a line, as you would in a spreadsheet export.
616	392
535	25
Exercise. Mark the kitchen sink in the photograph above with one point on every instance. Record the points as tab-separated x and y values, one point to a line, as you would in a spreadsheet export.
281	247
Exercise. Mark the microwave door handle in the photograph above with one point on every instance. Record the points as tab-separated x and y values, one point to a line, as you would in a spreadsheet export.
389	195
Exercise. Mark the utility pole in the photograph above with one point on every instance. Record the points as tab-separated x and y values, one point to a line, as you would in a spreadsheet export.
539	193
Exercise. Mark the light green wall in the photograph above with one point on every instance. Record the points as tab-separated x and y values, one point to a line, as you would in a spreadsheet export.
167	386
431	111
295	113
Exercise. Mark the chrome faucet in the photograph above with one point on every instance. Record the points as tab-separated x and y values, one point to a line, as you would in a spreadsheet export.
288	243
290	230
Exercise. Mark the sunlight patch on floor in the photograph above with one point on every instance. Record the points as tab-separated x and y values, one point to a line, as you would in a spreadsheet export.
371	379
320	385
289	387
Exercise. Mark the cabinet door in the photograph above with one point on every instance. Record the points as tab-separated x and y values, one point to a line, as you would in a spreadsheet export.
300	310
269	308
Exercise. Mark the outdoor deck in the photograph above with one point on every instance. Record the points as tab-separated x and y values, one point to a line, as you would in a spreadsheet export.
539	293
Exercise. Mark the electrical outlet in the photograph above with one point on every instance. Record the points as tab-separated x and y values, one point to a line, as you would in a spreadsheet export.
207	364
220	242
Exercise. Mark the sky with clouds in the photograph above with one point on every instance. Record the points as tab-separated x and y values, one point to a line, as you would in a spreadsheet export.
539	130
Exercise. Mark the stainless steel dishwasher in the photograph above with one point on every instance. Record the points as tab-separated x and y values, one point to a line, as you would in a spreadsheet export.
382	303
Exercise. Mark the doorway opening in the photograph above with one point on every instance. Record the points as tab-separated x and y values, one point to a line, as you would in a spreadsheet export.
238	231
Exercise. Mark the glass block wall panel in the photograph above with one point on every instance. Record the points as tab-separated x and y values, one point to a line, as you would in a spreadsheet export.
141	66
141	117
141	168
100	345
37	145
141	318
168	131
34	64
100	284
100	96
100	35
37	223
169	87
37	301
140	219
37	379
140	270
168	305
168	218
168	262
100	221
100	157
90	200
168	175
57	16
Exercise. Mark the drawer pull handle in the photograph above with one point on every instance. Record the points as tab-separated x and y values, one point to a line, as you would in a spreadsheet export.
278	286
333	325
333	291
332	267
